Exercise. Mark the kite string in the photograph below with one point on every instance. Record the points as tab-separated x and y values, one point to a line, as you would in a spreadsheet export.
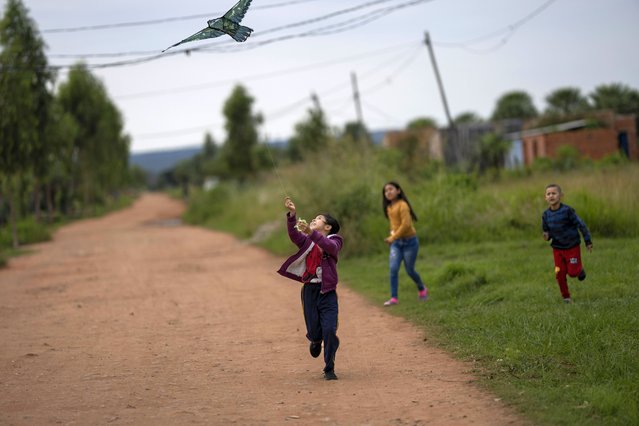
275	169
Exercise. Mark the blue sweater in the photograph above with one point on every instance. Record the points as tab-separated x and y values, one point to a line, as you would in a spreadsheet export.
563	226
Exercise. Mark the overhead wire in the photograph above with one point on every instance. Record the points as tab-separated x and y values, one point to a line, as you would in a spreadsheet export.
508	30
162	20
232	47
295	105
270	74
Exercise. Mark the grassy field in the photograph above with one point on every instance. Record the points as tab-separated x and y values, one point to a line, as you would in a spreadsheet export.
497	306
494	300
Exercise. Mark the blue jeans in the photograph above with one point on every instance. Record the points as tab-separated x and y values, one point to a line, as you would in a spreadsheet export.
405	249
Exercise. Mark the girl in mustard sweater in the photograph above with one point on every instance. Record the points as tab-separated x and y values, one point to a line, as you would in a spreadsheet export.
403	241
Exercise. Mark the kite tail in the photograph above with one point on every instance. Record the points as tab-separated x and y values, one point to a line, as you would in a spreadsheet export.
242	33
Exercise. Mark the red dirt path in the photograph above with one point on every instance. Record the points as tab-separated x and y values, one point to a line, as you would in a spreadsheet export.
134	319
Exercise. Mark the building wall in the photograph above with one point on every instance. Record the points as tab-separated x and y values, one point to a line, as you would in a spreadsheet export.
591	143
429	142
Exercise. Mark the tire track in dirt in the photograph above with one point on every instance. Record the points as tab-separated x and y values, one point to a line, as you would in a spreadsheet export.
135	319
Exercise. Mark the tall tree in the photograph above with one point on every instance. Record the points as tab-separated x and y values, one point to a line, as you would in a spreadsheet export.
515	104
24	99
100	150
566	101
618	97
311	135
238	152
209	149
60	134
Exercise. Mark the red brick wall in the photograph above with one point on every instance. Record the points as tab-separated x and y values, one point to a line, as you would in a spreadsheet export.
591	143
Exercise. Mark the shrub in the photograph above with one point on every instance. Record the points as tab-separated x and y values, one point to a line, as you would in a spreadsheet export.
29	232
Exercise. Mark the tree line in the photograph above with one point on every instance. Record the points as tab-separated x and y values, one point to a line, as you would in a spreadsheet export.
62	146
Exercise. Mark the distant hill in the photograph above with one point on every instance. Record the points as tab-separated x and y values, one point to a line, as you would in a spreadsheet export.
156	162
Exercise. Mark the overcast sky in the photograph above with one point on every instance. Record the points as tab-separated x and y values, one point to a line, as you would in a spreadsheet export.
483	49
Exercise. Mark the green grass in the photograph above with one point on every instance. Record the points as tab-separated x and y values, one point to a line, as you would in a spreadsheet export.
494	298
498	306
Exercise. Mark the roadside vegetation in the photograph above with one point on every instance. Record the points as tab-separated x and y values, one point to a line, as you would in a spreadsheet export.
63	151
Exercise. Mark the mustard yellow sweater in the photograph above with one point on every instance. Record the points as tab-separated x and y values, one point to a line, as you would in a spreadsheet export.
401	223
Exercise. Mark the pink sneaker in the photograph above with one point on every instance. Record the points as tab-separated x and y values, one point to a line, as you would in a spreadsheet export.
423	295
392	301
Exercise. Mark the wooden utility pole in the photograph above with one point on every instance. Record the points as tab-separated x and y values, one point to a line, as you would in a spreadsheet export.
358	105
315	100
439	80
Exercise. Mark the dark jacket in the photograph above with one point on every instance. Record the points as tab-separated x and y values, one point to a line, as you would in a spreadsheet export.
563	226
295	266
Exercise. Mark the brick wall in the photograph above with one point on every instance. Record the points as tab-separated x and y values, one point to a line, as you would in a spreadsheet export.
429	143
591	143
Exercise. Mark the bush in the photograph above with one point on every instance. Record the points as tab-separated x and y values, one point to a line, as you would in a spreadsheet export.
29	232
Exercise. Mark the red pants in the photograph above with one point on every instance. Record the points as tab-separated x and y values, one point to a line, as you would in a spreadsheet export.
567	261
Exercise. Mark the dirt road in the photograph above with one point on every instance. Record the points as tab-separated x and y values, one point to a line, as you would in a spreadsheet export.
135	319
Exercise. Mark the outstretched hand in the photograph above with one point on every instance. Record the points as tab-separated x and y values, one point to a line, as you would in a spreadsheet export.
288	203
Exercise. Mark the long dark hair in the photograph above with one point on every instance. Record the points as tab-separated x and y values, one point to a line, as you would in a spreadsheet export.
401	196
330	220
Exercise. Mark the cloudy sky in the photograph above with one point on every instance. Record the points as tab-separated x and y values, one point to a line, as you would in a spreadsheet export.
299	47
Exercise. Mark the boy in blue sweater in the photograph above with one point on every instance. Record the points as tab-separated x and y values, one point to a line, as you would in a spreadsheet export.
561	226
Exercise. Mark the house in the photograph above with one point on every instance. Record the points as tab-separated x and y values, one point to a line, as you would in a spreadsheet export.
428	142
618	134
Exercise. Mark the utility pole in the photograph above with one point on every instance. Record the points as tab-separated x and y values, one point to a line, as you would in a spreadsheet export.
315	100
439	80
358	105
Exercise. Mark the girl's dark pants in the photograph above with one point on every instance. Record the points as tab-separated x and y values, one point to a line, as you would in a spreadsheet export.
320	315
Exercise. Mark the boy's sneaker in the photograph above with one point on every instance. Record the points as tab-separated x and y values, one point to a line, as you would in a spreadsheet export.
582	275
423	295
315	349
392	301
567	300
330	375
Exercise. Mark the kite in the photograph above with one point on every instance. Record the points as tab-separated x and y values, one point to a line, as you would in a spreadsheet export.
227	24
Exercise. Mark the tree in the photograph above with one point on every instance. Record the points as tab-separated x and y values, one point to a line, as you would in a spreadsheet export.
238	152
100	149
24	99
516	104
311	135
209	149
467	117
567	101
492	151
61	132
618	97
422	123
356	134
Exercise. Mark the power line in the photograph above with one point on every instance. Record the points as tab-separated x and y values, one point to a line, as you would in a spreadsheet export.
162	20
271	74
295	105
233	47
508	30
